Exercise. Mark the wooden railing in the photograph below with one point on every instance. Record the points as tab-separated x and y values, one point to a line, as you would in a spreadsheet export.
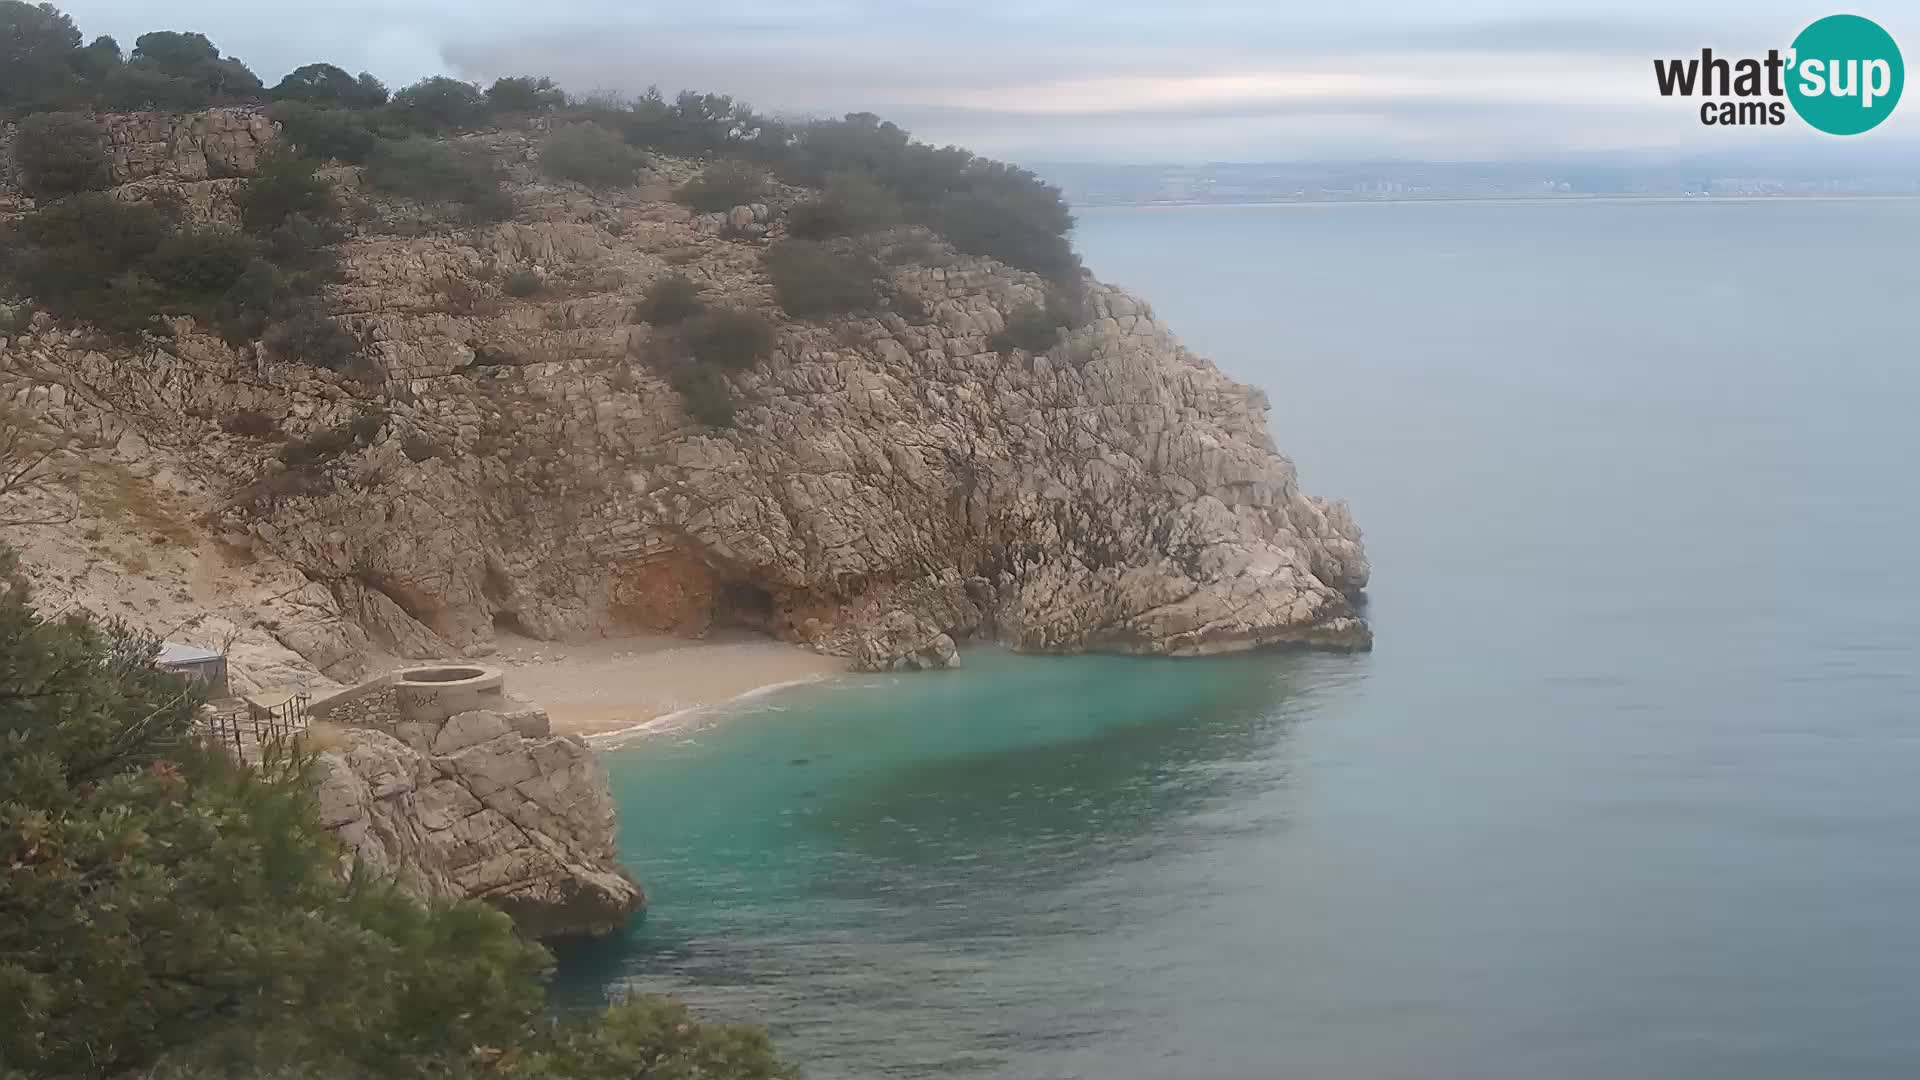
246	725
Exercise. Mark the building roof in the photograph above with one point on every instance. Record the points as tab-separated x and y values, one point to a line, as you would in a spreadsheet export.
173	654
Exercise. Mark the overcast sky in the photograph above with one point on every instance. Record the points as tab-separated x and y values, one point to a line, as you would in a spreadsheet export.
1098	80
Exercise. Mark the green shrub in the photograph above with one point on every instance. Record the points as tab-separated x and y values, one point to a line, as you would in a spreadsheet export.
59	154
590	154
705	391
437	105
431	172
38	46
982	207
195	66
97	60
116	265
1028	327
523	283
700	125
813	279
305	247
285	184
243	311
1010	224
524	94
327	134
75	256
137	87
853	203
723	186
325	84
670	299
310	336
732	338
200	264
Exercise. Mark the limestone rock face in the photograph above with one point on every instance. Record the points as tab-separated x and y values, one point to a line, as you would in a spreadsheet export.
891	478
475	808
193	146
905	642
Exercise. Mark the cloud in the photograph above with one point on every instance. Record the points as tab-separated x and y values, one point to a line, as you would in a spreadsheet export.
1064	79
1116	97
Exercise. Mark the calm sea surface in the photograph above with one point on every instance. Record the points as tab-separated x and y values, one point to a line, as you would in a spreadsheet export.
1629	789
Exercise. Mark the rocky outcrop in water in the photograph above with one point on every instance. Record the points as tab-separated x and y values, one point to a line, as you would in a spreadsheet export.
893	482
481	806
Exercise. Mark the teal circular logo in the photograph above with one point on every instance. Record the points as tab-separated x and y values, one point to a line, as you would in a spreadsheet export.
1845	75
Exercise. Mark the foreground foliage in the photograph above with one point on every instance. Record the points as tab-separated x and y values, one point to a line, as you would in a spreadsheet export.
165	912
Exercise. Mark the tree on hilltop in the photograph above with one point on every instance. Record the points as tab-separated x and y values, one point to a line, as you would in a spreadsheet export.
325	84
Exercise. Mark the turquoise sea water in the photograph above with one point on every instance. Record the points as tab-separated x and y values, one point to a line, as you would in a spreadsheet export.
1629	788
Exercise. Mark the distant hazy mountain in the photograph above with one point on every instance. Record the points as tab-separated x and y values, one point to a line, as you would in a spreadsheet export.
1802	167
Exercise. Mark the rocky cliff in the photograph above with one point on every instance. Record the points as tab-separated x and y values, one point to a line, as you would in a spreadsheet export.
892	481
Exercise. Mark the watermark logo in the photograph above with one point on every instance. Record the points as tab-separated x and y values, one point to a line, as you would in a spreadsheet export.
1843	75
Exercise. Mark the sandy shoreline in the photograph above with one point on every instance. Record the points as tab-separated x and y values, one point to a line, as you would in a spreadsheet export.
618	684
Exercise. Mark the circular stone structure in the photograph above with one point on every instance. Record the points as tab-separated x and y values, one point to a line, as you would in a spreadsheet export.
429	695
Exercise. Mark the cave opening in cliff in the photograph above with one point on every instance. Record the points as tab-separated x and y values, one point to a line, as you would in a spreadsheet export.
507	622
743	604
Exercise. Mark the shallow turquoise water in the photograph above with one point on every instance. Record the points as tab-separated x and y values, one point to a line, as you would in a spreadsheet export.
1626	790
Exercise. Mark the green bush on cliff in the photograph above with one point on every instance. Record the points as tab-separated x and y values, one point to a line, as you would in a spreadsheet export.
670	299
59	154
590	154
325	84
284	184
694	125
435	173
38	48
732	338
165	912
327	134
852	203
524	94
117	265
813	279
78	258
705	391
1028	327
723	186
438	105
982	206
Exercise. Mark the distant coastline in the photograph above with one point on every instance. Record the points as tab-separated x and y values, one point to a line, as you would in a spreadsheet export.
1402	200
